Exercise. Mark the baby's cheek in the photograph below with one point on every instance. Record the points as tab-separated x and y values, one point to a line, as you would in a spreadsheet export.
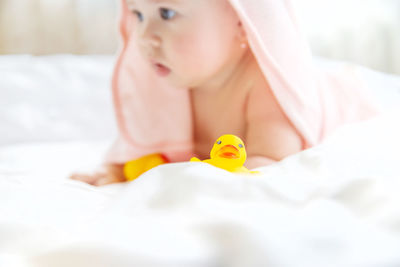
190	54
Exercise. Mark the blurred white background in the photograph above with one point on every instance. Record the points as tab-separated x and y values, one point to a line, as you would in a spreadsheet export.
362	31
366	32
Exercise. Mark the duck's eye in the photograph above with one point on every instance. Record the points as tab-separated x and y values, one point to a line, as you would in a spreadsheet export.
219	142
240	145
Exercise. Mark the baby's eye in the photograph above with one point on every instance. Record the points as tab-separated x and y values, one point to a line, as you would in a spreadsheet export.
167	14
219	142
138	15
240	145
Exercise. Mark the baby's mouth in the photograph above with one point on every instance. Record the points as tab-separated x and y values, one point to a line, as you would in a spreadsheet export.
161	69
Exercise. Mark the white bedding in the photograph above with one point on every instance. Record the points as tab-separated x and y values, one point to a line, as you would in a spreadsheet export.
337	204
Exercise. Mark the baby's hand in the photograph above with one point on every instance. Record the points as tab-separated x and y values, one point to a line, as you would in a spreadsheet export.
109	174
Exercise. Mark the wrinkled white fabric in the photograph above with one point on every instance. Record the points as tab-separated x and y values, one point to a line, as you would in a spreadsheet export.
333	205
336	204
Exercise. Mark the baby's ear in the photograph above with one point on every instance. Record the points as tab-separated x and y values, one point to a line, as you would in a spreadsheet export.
240	25
242	32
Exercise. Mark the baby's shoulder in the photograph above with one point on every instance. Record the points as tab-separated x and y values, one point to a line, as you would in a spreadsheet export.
269	132
261	102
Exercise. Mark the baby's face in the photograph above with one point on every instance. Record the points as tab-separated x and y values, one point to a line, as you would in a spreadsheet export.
188	42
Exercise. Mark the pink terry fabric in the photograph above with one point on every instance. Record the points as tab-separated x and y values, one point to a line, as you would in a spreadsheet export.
156	118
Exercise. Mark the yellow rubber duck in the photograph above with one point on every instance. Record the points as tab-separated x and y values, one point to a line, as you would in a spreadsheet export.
134	168
228	153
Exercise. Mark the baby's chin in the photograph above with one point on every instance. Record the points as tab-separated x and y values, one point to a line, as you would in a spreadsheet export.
179	82
185	80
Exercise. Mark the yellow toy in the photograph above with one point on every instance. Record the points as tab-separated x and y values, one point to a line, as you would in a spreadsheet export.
134	168
228	153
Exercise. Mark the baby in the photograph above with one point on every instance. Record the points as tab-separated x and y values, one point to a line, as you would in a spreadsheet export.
202	46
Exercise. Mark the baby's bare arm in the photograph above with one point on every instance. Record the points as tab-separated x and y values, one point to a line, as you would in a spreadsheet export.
106	174
257	161
273	139
270	136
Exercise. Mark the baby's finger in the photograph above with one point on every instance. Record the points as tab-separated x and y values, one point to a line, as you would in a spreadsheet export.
90	179
105	181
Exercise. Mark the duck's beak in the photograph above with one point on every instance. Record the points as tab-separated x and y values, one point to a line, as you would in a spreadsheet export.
228	152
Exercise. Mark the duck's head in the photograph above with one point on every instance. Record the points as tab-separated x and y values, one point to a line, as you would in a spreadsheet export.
229	147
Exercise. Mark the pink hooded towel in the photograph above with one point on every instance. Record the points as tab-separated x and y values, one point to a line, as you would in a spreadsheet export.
154	117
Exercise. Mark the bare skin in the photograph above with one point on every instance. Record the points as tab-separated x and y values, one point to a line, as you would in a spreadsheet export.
107	174
228	92
246	107
267	133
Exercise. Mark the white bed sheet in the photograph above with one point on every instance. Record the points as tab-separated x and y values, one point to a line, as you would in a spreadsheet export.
55	98
337	204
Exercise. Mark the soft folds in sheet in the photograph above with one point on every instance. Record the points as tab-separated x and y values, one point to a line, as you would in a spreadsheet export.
333	205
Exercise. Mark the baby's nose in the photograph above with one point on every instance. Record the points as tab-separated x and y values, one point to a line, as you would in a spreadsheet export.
150	47
152	41
148	37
